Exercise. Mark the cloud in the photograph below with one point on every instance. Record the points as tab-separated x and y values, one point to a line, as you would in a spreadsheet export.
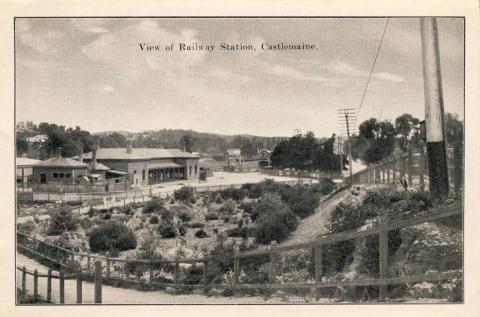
389	76
38	39
292	73
225	74
345	69
122	50
90	25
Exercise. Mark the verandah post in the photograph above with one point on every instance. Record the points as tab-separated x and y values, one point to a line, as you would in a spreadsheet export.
205	275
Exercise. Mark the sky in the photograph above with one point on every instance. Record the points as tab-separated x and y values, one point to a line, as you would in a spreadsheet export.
93	73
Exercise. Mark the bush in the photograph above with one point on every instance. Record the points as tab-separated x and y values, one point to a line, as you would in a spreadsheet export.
304	202
267	203
201	234
228	207
182	230
237	232
198	225
61	220
185	194
91	212
153	219
167	230
26	227
107	216
86	223
236	194
276	224
112	237
211	216
247	207
154	205
185	216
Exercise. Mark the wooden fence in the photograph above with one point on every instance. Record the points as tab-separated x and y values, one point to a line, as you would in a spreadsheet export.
164	273
411	166
61	276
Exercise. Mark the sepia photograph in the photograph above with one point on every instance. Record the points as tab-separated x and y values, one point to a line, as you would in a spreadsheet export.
205	160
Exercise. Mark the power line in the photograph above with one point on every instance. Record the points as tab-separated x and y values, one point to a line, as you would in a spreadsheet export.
371	70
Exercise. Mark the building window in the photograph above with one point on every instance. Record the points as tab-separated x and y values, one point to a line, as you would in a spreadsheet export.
143	174
61	175
55	175
190	170
134	171
195	169
68	175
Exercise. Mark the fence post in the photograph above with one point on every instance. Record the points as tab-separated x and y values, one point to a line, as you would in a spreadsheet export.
318	270
176	274
97	277
205	275
49	285
457	167
107	263
73	259
383	261
79	287
62	287
421	167
150	272
88	261
24	280
389	163
35	284
274	262
410	166
236	269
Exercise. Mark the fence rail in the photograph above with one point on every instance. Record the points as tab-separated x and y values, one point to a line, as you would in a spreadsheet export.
147	272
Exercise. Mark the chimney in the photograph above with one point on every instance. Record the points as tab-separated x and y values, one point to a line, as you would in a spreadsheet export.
58	152
80	157
93	162
129	147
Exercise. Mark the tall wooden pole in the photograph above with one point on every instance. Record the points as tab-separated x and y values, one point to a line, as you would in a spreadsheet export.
434	124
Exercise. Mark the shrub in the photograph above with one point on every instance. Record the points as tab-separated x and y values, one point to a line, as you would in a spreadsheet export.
86	223
154	205
198	225
247	207
112	237
182	230
201	234
167	230
218	199
91	212
226	219
107	216
237	232
61	220
26	227
240	223
304	202
228	207
185	194
267	203
236	194
153	219
211	216
275	225
185	216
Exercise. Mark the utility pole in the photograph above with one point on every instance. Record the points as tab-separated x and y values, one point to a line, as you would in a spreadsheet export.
345	117
434	113
340	154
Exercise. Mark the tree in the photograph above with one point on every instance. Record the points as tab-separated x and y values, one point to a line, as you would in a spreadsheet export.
376	140
186	142
22	146
408	131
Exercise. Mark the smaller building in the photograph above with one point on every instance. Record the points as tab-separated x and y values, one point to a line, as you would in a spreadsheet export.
24	170
59	170
39	138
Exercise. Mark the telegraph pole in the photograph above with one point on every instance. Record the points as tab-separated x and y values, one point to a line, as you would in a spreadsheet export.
434	121
345	116
340	154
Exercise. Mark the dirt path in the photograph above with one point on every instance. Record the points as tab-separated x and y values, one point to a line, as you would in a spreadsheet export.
315	225
113	295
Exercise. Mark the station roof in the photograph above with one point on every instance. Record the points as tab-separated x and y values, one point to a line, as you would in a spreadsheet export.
138	154
26	162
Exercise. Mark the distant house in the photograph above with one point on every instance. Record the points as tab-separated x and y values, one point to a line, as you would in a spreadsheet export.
234	152
59	170
39	138
147	166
